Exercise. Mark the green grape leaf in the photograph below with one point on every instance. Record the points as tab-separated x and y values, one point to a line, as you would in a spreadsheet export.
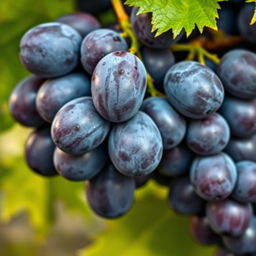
179	14
253	20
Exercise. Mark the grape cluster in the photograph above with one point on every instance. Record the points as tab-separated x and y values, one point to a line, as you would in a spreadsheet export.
94	121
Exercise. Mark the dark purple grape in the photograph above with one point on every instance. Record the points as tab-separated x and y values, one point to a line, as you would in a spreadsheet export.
202	232
209	135
246	243
240	115
193	89
141	181
55	93
110	194
171	124
77	128
82	22
78	168
135	147
183	199
242	149
39	152
22	102
213	177
247	30
141	25
237	71
93	6
98	44
175	161
157	63
223	252
50	49
118	86
229	217
245	189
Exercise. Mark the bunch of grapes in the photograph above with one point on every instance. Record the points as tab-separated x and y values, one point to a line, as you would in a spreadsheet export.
95	122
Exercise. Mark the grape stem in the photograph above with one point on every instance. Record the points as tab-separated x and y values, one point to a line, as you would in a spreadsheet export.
125	24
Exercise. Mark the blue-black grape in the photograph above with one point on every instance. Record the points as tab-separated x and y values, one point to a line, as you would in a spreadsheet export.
242	148
77	127
209	135
110	194
93	6
213	177
98	44
193	89
229	217
82	22
78	168
118	86
22	102
175	161
244	244
135	146
55	93
171	124
157	63
240	115
50	49
237	71
183	199
245	189
202	232
39	152
142	27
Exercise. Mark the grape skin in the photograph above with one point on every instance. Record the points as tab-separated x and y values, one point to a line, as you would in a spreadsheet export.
110	194
213	177
79	168
118	86
39	152
22	102
84	23
77	128
98	44
209	135
229	217
237	71
193	89
55	93
135	147
50	49
240	115
171	124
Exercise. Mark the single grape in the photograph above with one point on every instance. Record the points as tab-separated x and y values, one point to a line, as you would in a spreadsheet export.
77	128
78	168
39	152
240	115
246	243
142	27
110	194
242	148
50	49
55	93
98	44
118	86
213	177
209	135
183	199
157	63
193	89
171	124
135	147
237	71
82	22
22	102
175	161
245	189
93	6
202	232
